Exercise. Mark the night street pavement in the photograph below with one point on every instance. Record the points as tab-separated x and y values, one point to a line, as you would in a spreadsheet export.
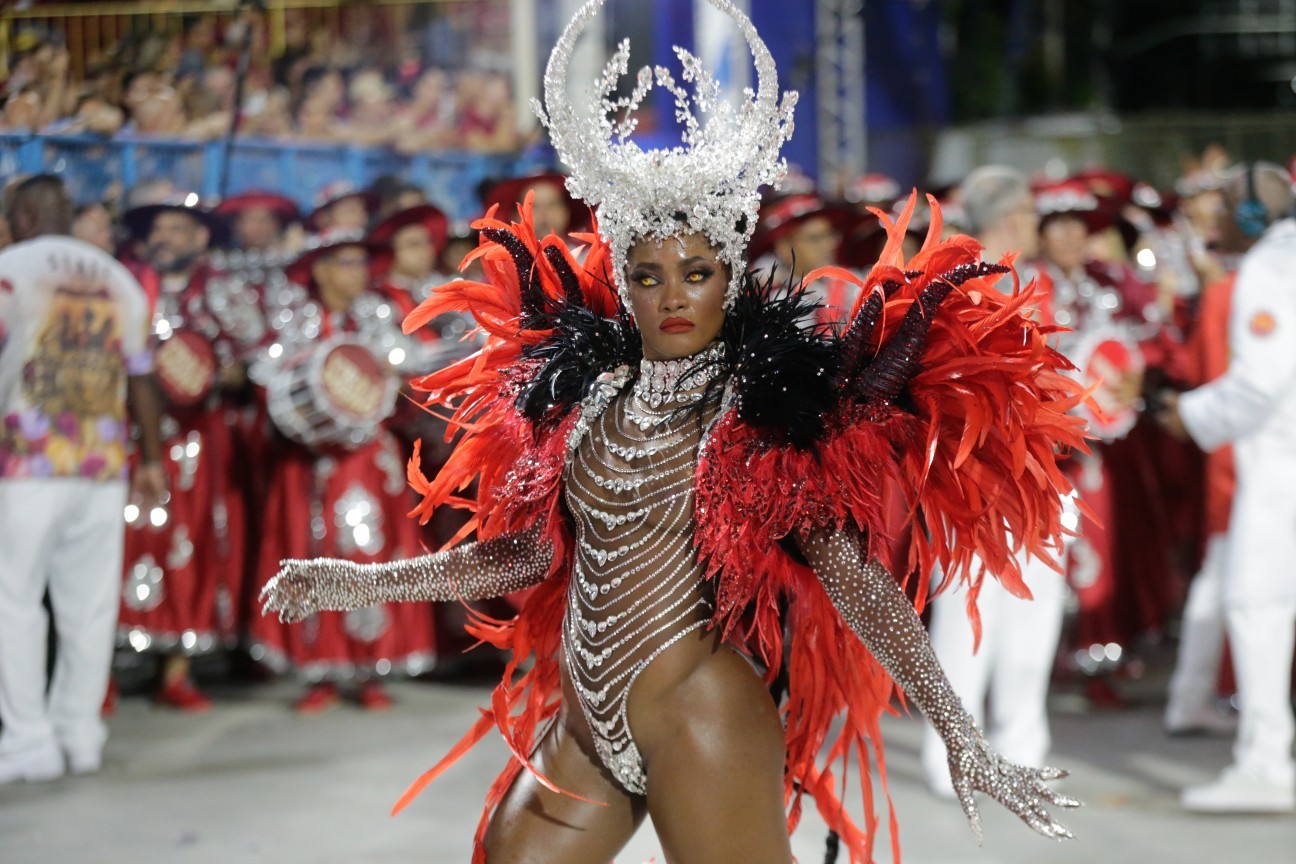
251	782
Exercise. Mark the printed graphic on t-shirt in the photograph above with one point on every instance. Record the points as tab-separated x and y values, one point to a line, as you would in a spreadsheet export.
74	418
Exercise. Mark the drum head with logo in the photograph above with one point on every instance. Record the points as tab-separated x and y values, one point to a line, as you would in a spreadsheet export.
354	382
186	368
1109	357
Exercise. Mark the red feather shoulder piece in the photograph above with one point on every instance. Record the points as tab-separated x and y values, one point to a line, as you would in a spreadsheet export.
950	415
947	398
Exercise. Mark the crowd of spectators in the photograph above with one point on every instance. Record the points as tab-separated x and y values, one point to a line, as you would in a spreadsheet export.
361	79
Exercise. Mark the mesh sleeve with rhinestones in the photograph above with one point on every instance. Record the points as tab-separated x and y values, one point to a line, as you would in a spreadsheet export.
472	571
873	606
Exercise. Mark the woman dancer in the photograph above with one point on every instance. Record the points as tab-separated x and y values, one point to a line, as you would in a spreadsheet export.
681	475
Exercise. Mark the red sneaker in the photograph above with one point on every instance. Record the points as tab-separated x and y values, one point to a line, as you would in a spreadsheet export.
373	697
110	700
181	694
318	699
1102	694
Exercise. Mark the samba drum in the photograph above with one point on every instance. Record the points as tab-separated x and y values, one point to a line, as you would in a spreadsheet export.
186	368
1108	356
336	393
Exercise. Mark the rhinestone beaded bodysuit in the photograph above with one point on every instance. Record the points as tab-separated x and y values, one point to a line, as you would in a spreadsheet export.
636	586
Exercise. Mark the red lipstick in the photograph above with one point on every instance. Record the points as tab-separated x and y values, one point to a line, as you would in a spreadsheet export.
676	325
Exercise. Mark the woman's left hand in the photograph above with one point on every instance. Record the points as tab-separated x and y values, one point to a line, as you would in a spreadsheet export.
976	767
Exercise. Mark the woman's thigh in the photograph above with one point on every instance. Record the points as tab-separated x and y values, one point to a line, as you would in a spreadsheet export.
715	786
534	825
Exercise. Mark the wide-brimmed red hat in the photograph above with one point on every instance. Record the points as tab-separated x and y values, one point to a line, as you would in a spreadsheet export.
1072	198
781	216
332	193
283	207
1115	192
1107	184
430	217
299	270
507	194
1159	204
872	188
139	220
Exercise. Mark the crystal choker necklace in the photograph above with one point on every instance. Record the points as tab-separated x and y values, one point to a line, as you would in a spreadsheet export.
682	380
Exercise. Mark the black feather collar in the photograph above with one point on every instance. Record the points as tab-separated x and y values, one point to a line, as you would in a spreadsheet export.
783	370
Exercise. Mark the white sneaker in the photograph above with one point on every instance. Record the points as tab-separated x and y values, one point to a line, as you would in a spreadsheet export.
36	766
1238	791
1204	720
84	763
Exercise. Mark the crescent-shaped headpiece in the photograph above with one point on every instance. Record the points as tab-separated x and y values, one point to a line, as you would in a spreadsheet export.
710	184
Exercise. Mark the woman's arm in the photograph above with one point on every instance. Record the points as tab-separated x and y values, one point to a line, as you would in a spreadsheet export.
473	571
874	607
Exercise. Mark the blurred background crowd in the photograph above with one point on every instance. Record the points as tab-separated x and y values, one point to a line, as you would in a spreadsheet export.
353	77
274	316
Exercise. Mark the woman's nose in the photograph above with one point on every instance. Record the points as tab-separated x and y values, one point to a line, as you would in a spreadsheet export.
674	297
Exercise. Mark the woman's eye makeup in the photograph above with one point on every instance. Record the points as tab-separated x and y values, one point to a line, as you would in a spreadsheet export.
702	274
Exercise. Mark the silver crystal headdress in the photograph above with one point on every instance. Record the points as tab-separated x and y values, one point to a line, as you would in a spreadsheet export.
710	184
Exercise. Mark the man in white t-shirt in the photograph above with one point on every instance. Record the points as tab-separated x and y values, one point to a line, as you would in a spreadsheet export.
73	344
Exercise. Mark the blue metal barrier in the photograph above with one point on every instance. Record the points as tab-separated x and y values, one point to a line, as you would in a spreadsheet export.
94	167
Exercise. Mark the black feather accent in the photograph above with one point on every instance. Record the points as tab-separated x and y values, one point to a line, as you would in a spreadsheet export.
566	275
534	301
883	380
886	377
784	369
964	272
582	347
856	340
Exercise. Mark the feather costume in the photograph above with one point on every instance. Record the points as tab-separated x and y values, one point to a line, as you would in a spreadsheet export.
941	391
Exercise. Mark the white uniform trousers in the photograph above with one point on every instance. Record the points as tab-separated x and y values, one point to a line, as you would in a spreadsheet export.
64	535
1013	665
1261	637
1201	639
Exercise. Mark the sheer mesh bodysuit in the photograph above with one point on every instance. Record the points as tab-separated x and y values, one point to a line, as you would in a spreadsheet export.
636	586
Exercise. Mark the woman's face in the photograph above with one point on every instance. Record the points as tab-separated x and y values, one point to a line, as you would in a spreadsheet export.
677	291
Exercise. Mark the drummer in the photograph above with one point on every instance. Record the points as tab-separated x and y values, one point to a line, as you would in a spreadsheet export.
183	563
341	205
260	224
338	492
1119	565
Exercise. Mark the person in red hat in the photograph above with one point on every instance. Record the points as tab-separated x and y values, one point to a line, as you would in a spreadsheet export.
340	205
258	220
183	561
407	251
409	244
797	234
553	209
1121	565
337	488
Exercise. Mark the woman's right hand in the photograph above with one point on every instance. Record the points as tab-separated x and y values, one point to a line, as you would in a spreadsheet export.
298	589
